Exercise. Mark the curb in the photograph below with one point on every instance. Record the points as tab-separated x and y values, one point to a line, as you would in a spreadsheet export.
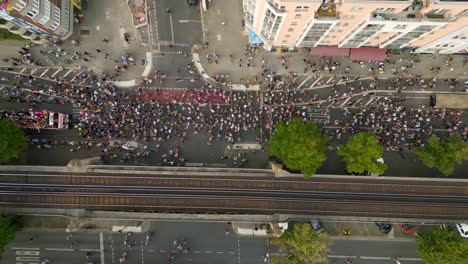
146	72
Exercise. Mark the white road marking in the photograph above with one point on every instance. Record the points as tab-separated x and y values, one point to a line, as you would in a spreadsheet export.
364	257
333	256
22	70
347	99
188	21
316	81
410	259
42	74
59	249
329	80
90	249
302	83
55	73
370	101
218	36
101	246
69	71
24	248
203	24
238	249
98	27
33	71
172	27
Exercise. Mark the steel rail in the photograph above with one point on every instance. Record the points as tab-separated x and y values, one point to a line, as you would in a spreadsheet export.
215	197
269	179
239	192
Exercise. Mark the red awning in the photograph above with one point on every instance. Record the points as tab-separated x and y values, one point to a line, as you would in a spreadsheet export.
368	54
329	52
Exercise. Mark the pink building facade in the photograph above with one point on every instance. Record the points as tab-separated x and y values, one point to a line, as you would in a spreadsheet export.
427	26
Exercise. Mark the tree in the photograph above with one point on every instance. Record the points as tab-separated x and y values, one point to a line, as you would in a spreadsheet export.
299	145
8	227
12	140
443	153
304	245
361	153
442	246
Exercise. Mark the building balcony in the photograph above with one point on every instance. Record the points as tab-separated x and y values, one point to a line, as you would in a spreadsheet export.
327	11
410	17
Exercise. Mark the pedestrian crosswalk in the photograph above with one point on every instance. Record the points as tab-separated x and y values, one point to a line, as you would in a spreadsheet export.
70	75
76	111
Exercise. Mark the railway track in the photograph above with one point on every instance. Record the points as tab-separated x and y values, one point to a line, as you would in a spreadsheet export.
255	193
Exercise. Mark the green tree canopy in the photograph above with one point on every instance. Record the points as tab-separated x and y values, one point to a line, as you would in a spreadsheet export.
12	140
8	227
442	246
304	246
443	153
361	153
299	145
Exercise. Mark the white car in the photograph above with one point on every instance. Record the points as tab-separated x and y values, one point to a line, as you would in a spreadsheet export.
463	230
130	146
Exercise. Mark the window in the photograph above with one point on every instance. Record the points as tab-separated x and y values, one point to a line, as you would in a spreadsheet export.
293	24
345	24
333	36
349	17
46	17
400	27
287	36
290	29
297	16
356	9
285	41
339	30
302	8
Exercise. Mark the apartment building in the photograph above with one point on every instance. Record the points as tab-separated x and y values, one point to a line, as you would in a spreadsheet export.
427	26
38	20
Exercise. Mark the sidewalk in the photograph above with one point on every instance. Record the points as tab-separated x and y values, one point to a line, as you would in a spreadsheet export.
231	38
102	29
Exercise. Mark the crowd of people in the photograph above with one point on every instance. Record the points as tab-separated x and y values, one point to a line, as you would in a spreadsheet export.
152	116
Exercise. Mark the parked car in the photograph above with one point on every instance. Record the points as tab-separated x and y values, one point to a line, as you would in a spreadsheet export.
407	228
130	146
384	227
463	230
317	226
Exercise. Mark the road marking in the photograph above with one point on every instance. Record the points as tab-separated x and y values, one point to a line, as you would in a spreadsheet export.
218	36
24	248
196	252
142	255
33	71
316	81
410	259
329	80
238	249
90	249
334	256
172	27
347	99
98	27
69	71
55	73
59	249
209	252
219	252
188	21
22	70
203	24
364	257
101	246
302	83
42	74
370	101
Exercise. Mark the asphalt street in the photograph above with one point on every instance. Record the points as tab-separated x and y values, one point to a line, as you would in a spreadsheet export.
205	243
181	25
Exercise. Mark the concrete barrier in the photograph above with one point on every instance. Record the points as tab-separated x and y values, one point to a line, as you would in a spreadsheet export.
133	229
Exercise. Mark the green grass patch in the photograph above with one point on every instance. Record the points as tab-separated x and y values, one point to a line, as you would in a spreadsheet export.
5	34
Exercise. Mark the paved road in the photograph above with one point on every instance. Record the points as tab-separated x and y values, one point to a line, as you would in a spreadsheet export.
207	242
